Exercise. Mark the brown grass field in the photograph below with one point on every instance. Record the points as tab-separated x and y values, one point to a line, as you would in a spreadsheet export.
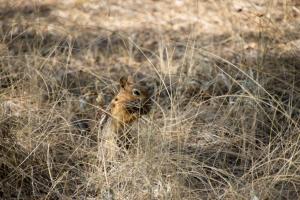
224	124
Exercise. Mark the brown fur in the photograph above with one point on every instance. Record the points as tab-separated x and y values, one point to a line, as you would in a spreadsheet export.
126	107
132	101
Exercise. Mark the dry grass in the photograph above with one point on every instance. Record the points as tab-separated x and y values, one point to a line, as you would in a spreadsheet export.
225	124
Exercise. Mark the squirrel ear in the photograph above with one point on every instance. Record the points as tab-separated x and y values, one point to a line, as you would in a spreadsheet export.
123	81
130	80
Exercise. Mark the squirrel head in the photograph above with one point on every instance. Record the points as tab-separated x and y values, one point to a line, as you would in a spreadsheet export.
138	90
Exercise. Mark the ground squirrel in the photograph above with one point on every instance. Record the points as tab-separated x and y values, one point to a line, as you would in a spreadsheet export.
133	100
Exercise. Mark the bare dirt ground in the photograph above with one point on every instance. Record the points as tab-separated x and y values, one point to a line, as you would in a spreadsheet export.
225	123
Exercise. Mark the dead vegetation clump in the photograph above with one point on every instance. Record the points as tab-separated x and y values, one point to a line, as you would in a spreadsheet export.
224	124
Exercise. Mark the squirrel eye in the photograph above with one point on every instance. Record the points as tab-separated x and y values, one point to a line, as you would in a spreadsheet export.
136	92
